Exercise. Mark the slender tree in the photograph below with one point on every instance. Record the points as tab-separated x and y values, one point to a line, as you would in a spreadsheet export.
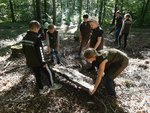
80	10
144	12
45	9
100	11
38	11
54	12
34	8
115	9
12	11
87	6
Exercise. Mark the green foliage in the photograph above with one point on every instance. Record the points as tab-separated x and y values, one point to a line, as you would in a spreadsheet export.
68	10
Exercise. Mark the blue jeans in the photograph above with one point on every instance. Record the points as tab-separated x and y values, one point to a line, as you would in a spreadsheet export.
117	31
58	57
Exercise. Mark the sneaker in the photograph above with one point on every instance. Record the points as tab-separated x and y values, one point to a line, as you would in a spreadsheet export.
55	86
44	91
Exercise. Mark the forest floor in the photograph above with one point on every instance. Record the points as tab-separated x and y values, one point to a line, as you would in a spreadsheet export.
17	83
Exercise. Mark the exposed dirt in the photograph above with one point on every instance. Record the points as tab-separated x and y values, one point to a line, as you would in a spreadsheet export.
18	94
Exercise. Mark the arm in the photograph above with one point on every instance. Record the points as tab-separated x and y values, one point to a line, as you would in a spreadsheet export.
58	41
48	44
98	42
99	78
123	24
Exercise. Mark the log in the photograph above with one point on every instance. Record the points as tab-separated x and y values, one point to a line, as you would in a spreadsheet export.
74	76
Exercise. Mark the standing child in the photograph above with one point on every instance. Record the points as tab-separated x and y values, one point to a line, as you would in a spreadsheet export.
109	62
85	31
53	43
125	29
118	25
33	50
96	39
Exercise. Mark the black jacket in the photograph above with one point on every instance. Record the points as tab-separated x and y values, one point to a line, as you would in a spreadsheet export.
33	50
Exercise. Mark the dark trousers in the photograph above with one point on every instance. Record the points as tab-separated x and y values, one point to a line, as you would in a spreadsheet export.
109	85
125	39
38	76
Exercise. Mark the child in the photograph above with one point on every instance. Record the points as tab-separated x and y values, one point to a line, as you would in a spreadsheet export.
96	39
53	43
33	50
85	31
125	29
111	62
118	25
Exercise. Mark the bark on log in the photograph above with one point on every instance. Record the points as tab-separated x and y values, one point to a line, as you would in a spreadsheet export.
74	76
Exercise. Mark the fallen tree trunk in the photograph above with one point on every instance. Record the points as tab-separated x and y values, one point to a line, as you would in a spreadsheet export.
74	76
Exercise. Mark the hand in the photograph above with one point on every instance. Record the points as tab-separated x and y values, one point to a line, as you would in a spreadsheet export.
92	90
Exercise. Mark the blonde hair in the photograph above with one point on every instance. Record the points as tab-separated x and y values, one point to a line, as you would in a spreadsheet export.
94	20
89	53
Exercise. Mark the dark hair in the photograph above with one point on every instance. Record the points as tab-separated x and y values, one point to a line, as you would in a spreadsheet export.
85	16
34	24
51	26
89	53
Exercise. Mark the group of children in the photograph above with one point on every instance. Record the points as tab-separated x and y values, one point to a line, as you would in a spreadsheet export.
122	28
109	62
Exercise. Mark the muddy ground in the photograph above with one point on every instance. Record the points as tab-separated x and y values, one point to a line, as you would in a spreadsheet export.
18	92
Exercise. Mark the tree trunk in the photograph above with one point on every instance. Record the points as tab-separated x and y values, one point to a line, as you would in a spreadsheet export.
34	8
45	9
87	6
74	3
104	11
74	76
100	11
144	12
12	11
38	11
116	7
54	12
121	9
80	10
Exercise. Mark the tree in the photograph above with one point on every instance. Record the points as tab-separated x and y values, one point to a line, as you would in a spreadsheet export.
80	10
54	11
87	6
115	9
38	11
144	11
12	11
45	9
100	10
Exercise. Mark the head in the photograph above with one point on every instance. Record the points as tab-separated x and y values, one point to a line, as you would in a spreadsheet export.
34	26
127	16
93	23
85	18
51	28
90	55
118	13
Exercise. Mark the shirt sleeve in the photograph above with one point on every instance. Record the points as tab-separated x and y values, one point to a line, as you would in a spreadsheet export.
100	33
